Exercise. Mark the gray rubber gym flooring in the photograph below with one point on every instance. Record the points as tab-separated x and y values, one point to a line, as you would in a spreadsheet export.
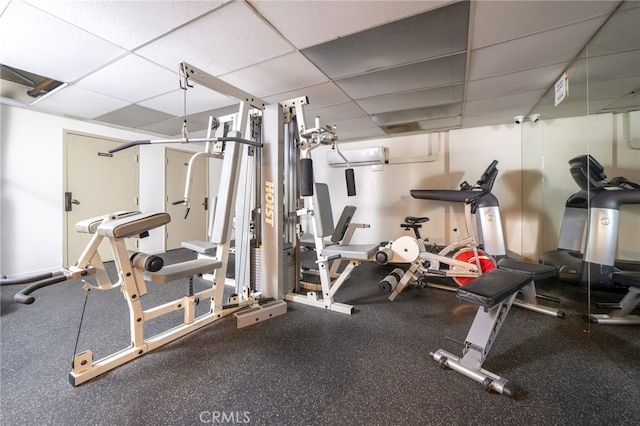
313	367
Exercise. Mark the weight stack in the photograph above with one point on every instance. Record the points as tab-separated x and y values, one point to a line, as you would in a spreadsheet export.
289	270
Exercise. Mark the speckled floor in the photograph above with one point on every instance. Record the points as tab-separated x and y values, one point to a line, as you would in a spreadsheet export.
313	367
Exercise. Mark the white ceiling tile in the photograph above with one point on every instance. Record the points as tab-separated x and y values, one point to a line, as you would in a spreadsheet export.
198	99
173	127
135	116
228	39
307	23
132	79
524	81
127	23
518	104
548	48
277	75
490	118
320	95
361	134
79	102
35	41
500	21
333	113
440	123
418	114
353	124
411	100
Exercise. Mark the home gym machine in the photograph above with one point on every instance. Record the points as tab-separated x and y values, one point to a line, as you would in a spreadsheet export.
462	261
317	205
275	235
589	232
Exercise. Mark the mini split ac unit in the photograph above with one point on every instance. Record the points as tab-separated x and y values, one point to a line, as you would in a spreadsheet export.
359	157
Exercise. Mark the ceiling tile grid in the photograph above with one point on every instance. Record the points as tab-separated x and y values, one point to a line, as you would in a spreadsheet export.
128	24
375	67
35	41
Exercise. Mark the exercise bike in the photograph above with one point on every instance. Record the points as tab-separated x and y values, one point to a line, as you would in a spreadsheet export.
461	261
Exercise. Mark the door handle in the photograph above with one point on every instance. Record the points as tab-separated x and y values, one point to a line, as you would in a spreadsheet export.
69	201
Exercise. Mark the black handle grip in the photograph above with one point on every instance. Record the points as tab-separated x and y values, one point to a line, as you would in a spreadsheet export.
23	295
129	145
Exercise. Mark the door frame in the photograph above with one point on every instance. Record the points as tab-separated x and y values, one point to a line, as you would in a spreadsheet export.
65	180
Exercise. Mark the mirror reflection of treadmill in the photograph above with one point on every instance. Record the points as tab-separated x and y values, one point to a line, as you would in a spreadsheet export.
589	231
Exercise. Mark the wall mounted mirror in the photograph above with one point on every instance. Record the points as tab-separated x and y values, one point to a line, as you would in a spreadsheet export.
572	153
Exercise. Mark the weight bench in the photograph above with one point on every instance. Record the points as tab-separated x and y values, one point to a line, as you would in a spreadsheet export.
529	296
133	273
494	292
330	254
620	312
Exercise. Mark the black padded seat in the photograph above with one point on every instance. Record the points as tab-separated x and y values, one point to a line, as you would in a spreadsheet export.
630	278
535	271
491	288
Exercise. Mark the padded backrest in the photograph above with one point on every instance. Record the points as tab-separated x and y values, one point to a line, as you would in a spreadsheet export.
322	210
343	223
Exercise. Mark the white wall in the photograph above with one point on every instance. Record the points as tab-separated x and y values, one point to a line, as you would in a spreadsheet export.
31	211
383	199
31	203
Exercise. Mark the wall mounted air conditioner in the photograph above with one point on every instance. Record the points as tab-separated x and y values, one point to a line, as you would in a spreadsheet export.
359	157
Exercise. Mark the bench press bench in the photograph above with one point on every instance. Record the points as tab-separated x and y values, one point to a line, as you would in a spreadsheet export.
494	292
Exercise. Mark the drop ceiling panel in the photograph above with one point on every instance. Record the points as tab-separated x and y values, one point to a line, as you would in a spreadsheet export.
320	95
194	100
231	38
518	104
126	23
361	134
537	78
57	49
173	127
134	116
276	76
500	21
410	100
428	35
328	20
630	102
557	46
615	36
440	123
418	114
132	79
432	73
339	112
353	124
79	102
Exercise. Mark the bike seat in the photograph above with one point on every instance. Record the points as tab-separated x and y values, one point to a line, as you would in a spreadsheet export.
413	220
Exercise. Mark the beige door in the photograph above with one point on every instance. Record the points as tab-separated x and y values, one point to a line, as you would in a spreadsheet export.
194	227
96	183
